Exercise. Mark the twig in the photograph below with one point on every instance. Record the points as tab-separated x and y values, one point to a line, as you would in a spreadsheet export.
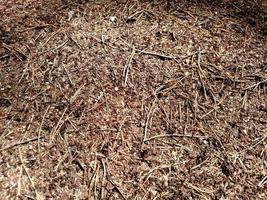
92	181
19	182
162	56
122	122
127	67
60	161
147	122
187	12
244	101
218	138
175	135
21	143
75	42
40	129
76	94
28	175
69	78
167	87
57	126
13	50
149	52
103	179
200	73
180	112
195	107
56	48
115	187
34	27
256	84
256	144
51	37
108	177
201	190
262	182
103	92
146	176
215	107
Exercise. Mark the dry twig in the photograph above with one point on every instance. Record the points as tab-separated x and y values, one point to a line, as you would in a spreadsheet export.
15	144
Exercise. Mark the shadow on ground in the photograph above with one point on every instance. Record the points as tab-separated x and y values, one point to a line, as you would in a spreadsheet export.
250	13
38	15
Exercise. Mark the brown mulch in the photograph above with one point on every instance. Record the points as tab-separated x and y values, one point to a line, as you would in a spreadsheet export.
133	99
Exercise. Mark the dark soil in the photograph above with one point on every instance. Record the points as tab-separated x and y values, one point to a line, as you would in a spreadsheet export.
133	99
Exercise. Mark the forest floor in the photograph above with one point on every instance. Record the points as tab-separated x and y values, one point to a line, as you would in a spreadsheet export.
133	99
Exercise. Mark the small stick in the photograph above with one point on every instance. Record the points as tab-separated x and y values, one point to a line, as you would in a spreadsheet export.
195	106
122	122
76	94
200	190
34	27
28	175
256	84
57	126
263	181
59	46
21	143
157	54
104	93
180	113
7	47
244	101
68	75
92	181
56	48
115	186
75	42
61	160
199	71
39	132
218	138
19	182
147	122
146	176
150	52
187	111
103	179
51	37
127	67
187	12
175	135
215	107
